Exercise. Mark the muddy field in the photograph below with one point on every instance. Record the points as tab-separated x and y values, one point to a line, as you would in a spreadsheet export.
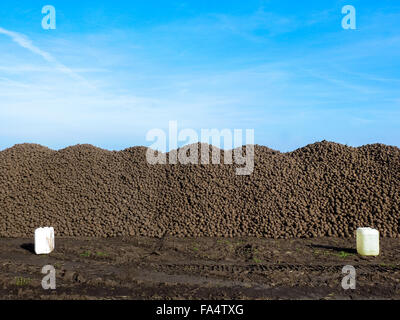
198	268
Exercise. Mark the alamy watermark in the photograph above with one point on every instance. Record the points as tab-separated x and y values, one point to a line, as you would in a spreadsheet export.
49	281
49	21
189	154
349	281
349	20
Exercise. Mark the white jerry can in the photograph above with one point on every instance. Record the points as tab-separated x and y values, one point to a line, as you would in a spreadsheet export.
44	240
367	241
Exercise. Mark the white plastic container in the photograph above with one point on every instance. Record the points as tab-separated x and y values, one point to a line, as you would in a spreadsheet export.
44	240
367	241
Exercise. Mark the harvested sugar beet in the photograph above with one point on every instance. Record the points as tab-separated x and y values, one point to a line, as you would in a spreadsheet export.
323	189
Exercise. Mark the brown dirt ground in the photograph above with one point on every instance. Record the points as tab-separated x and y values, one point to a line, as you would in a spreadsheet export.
198	268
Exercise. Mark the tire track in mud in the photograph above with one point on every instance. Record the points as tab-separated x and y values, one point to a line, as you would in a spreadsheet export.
285	280
262	268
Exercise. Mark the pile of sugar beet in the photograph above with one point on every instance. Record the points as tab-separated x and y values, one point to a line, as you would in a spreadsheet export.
322	189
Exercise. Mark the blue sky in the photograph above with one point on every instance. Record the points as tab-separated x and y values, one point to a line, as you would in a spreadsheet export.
111	71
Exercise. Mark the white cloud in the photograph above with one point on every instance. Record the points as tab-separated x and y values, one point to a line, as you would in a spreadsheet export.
26	43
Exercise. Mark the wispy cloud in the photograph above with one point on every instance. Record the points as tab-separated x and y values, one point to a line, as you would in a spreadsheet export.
26	43
23	68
